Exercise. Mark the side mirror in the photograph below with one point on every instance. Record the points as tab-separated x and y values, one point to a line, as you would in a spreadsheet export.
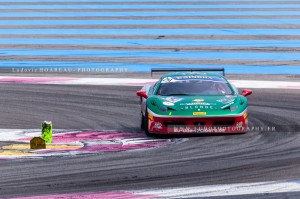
246	92
142	93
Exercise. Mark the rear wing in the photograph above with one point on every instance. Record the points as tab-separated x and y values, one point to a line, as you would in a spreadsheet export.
158	70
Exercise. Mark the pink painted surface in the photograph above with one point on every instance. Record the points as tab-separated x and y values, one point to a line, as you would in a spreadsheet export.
293	87
119	147
33	79
99	141
90	135
93	195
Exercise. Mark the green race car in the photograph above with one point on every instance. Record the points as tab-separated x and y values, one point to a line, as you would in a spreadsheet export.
193	102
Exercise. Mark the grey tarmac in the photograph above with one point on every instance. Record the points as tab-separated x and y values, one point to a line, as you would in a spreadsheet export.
140	48
155	17
149	36
202	160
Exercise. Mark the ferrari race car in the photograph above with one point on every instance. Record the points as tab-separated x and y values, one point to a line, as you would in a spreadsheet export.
193	102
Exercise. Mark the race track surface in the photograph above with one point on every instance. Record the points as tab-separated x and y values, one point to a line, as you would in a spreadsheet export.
257	156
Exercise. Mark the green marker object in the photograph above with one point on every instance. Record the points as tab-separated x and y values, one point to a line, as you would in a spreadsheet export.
47	131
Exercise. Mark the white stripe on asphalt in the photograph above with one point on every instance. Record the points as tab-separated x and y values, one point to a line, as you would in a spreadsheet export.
140	82
11	134
225	190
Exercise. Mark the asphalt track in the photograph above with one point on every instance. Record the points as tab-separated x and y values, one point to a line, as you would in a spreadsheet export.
242	36
257	156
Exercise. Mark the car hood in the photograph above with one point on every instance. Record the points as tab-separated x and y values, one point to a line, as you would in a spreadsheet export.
197	105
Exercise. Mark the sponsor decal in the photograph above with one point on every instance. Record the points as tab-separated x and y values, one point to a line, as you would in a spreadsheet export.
206	129
189	129
194	107
226	100
198	100
167	79
193	77
227	105
198	103
158	125
199	113
239	125
168	103
173	99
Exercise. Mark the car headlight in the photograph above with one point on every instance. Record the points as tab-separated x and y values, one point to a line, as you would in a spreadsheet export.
233	108
162	108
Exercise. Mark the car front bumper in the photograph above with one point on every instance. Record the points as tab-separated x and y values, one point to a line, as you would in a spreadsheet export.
197	125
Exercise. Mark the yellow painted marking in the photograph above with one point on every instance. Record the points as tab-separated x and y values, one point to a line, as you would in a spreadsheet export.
62	146
24	149
49	146
199	113
14	153
17	146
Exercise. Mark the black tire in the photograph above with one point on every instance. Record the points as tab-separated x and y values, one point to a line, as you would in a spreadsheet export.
142	121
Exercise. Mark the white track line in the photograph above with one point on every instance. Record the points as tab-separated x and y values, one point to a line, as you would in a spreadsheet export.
225	190
139	82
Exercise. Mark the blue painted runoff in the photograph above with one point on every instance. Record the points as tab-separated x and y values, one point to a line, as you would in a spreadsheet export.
153	54
157	42
41	13
225	31
38	1
149	22
149	6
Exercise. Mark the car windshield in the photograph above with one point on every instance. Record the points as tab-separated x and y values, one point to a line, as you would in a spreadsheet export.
195	85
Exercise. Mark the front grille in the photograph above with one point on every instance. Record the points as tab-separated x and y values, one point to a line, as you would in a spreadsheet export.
199	123
173	123
223	123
